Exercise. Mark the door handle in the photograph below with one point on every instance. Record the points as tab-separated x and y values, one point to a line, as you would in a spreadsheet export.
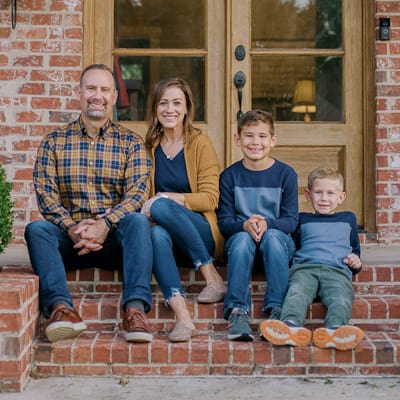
239	80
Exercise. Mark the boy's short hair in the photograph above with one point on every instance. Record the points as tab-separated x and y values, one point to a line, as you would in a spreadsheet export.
325	173
254	117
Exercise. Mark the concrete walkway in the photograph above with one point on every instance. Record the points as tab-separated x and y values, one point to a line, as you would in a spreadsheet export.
209	388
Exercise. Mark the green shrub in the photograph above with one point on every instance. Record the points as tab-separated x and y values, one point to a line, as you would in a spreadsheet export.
6	216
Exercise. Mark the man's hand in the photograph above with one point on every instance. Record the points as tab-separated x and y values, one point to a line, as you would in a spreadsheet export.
75	231
256	226
353	261
89	235
95	232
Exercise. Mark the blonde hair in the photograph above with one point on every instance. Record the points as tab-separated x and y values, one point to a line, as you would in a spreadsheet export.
325	173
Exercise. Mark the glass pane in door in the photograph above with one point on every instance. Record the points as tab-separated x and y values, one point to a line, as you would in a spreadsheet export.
136	76
298	88
164	24
297	24
153	40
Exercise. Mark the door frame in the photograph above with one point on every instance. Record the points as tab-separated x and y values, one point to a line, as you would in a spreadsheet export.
98	47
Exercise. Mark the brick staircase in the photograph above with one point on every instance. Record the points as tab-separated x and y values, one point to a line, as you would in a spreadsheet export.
102	349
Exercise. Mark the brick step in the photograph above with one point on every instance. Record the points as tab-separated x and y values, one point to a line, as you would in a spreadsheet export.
103	311
373	280
102	349
107	353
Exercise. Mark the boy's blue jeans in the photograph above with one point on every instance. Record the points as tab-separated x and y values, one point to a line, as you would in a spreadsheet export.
333	286
276	249
179	233
51	253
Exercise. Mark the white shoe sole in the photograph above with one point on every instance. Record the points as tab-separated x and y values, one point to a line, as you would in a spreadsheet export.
64	330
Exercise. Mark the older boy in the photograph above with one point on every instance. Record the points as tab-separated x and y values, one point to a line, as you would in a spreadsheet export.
258	210
328	255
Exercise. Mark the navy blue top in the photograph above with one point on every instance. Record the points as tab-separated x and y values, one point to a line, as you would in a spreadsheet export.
272	193
170	175
326	239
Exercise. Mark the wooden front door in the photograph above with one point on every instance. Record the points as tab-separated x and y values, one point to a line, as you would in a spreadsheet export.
302	60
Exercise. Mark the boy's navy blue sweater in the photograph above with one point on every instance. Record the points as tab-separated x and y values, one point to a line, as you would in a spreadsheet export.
272	193
326	239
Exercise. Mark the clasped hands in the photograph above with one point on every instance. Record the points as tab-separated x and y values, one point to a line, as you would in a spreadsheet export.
89	234
256	226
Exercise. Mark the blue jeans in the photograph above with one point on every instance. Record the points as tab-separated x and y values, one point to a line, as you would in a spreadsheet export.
51	253
333	285
178	232
276	248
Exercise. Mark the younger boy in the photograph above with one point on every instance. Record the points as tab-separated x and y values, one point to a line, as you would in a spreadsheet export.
258	210
328	255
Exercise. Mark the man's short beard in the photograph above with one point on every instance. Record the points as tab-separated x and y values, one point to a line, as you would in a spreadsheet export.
96	115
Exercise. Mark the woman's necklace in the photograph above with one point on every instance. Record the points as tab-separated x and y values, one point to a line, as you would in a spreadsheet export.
171	149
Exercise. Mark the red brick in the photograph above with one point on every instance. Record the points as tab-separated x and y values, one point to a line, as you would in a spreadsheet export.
73	33
120	351
281	354
65	61
88	370
60	5
385	353
101	352
29	61
322	355
302	355
29	117
62	353
180	353
242	352
26	145
46	19
31	88
220	352
45	46
140	353
134	370
47	75
32	33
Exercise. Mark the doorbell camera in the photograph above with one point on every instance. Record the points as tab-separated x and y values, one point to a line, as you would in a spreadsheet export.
384	28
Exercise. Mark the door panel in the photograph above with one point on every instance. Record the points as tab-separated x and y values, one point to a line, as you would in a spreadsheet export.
296	47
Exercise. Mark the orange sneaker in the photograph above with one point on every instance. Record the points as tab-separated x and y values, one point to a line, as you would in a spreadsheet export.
345	337
137	326
64	323
279	333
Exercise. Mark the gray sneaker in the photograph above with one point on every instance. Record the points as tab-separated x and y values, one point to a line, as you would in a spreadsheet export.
239	326
275	313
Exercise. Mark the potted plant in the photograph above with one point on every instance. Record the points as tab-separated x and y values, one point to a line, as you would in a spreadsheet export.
6	216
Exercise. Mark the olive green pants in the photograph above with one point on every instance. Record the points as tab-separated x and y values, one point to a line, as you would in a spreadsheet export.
331	284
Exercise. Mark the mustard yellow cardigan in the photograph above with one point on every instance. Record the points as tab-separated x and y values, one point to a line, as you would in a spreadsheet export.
203	171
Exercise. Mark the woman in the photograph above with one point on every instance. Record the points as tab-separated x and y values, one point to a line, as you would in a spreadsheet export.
183	196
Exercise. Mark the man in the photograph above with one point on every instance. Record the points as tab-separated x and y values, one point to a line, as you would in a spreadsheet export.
91	178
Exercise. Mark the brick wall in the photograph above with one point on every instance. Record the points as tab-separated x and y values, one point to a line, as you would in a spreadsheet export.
388	125
40	62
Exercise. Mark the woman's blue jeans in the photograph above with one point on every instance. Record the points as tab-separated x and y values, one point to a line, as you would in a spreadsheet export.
51	253
182	233
276	248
